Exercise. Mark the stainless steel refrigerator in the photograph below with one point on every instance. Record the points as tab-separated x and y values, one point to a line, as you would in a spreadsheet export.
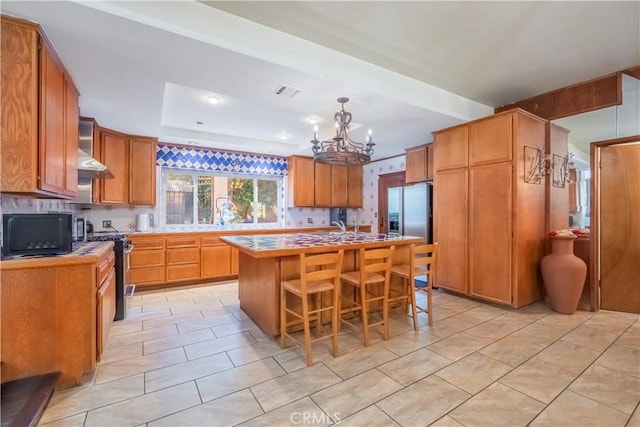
409	210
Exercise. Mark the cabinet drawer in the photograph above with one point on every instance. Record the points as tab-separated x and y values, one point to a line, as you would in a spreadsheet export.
104	267
146	275
147	258
148	243
183	242
177	273
210	240
183	256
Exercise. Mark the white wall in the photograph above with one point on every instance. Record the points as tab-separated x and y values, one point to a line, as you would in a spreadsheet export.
371	173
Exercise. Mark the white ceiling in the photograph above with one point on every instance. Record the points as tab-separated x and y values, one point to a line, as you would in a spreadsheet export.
409	68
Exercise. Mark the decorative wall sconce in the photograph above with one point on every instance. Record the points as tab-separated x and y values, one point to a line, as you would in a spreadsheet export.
538	164
561	166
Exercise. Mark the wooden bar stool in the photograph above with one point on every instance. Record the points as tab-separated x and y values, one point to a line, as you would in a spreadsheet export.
318	274
374	270
422	262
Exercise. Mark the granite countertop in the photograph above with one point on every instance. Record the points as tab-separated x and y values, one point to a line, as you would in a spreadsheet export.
265	245
82	253
238	230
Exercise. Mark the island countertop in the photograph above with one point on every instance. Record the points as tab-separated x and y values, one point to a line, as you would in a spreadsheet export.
277	245
265	260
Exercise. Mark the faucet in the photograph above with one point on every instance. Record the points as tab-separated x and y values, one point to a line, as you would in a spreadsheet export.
343	228
355	221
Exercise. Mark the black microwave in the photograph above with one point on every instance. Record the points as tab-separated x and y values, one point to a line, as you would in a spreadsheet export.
36	234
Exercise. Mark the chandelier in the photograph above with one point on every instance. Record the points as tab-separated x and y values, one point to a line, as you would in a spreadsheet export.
341	150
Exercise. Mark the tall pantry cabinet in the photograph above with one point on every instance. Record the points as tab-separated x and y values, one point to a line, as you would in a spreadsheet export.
489	223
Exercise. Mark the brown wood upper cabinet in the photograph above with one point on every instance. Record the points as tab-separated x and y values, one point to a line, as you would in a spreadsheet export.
39	124
142	170
312	184
300	182
419	164
132	161
355	186
322	184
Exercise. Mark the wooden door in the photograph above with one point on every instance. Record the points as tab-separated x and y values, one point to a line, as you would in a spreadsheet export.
355	187
235	260
215	261
113	154
71	121
385	182
52	152
416	161
490	230
490	140
338	186
451	148
106	311
619	227
451	212
19	106
142	171
322	184
300	182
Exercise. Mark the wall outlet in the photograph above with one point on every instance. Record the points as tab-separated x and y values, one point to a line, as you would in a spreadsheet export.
106	224
152	222
309	220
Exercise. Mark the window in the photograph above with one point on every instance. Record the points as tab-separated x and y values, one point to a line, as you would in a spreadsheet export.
193	197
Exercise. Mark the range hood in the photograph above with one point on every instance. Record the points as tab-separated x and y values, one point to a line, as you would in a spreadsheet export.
88	166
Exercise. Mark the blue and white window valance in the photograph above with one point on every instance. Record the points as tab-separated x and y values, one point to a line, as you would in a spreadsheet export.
204	159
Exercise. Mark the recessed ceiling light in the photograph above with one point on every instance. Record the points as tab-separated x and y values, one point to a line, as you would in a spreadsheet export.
213	100
313	121
283	136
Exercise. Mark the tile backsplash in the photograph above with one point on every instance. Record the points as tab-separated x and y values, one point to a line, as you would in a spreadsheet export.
18	204
123	218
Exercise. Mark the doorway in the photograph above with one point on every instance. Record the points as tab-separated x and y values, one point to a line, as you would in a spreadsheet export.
385	182
615	227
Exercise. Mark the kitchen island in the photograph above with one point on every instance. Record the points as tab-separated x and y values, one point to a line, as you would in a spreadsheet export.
267	259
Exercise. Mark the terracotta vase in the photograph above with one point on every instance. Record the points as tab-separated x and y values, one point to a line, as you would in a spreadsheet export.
563	274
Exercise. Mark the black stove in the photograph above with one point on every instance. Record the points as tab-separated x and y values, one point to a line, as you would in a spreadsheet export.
105	237
122	247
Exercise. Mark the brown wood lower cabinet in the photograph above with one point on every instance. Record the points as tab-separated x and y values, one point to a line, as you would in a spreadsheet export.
216	261
56	315
183	263
106	311
147	262
188	257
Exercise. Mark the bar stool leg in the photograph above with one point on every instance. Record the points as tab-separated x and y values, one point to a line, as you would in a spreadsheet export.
283	317
318	317
385	311
365	314
412	301
307	332
335	321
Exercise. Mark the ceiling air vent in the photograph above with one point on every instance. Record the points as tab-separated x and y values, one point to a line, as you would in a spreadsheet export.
287	91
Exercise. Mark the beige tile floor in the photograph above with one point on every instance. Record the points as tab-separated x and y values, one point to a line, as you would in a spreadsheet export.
191	357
